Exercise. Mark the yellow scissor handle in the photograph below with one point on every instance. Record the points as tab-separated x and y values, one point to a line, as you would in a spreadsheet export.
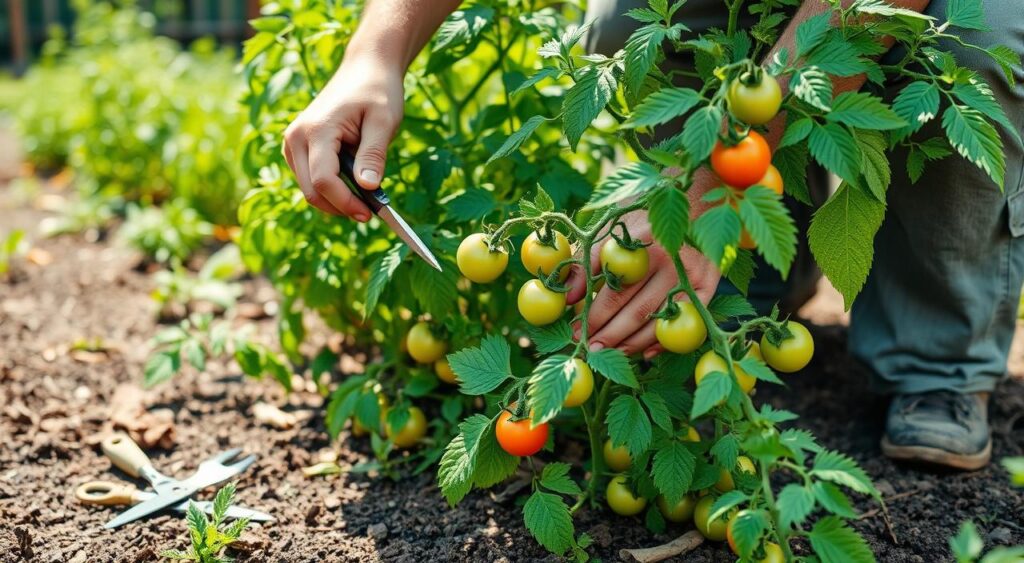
106	493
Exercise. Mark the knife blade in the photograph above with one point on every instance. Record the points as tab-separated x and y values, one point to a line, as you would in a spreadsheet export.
379	202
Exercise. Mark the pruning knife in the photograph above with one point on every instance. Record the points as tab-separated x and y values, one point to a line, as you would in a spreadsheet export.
378	202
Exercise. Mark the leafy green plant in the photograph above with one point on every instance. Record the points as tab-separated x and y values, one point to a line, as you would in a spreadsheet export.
208	536
165	234
11	247
197	339
178	289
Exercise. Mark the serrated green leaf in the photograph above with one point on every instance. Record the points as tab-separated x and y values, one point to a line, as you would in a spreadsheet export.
967	14
725	307
770	225
977	95
796	132
662	106
493	464
1007	59
555	477
551	338
726	450
792	164
161	366
462	27
540	75
629	425
795	504
811	32
435	291
672	471
758	370
481	370
626	182
725	503
584	101
813	86
841	237
455	470
837	56
917	104
976	140
714	388
843	470
836	542
670	218
860	109
716	229
834	147
833	500
874	162
613	364
549	385
641	49
548	519
701	132
516	140
746	530
658	410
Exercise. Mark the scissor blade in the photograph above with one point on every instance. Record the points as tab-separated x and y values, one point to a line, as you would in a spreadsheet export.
234	511
405	232
182	491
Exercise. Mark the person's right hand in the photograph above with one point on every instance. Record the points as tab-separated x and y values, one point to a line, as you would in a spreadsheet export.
360	107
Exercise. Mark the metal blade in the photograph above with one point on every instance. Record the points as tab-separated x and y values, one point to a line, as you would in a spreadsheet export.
234	511
405	232
205	477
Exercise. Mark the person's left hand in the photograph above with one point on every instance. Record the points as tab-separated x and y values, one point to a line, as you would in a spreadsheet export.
622	319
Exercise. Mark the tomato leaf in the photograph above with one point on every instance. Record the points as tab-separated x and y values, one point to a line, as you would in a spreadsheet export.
594	87
833	500
712	391
628	425
455	470
811	32
613	364
662	106
462	27
813	86
548	519
792	164
549	385
725	307
976	140
555	478
626	182
716	229
747	529
875	164
836	542
795	504
966	14
841	469
771	226
515	140
641	49
917	104
833	146
725	503
481	370
551	338
670	217
701	132
842	236
726	450
860	109
672	470
658	410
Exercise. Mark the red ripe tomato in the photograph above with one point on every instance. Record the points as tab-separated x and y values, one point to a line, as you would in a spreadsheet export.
744	163
517	437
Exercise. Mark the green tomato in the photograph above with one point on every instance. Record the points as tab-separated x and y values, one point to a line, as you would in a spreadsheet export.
714	531
678	512
629	265
683	333
755	103
539	305
476	260
616	458
793	354
582	385
538	256
621	499
423	346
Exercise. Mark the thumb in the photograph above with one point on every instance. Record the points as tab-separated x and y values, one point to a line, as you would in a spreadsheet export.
372	151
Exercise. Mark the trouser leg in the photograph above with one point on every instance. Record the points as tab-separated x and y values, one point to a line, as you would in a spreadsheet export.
939	308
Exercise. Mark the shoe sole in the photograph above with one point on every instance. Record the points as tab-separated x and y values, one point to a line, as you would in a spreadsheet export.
967	462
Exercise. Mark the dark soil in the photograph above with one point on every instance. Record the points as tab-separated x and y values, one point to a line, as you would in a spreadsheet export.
54	402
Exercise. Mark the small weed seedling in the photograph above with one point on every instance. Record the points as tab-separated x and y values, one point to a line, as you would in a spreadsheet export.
208	539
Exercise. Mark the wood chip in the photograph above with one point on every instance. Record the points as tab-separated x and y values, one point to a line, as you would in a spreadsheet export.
683	544
270	415
148	429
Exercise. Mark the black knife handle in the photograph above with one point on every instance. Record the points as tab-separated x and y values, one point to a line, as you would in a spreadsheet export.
374	199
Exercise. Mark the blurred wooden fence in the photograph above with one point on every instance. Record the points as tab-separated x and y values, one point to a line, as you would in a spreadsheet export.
24	24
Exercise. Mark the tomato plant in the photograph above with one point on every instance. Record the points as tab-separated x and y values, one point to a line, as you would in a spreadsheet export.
508	129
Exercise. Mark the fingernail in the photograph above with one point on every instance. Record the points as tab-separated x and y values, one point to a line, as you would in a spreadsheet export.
370	176
596	347
362	217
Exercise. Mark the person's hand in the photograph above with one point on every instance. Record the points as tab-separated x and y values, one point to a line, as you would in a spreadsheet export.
622	319
360	107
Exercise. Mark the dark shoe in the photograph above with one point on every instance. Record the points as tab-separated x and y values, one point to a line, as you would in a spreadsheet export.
941	427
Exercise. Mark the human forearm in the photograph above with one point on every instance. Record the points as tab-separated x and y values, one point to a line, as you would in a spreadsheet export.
395	31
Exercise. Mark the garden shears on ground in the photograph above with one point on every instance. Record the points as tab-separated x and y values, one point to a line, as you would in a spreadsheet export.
169	492
378	202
